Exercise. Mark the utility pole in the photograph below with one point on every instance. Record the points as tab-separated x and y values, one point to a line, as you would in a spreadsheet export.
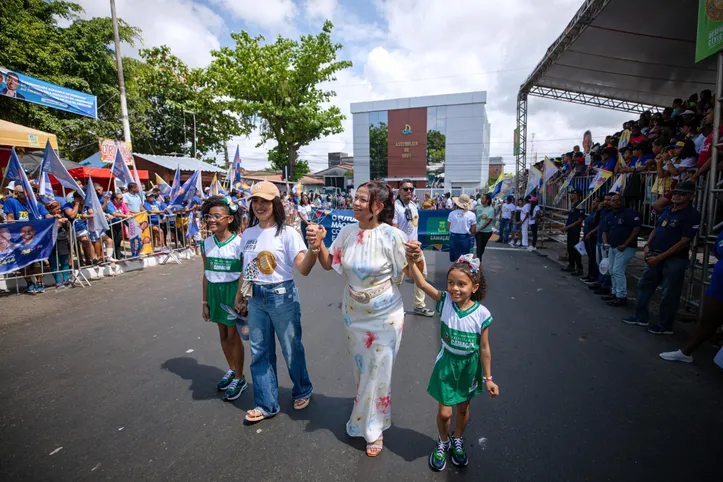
194	129
121	82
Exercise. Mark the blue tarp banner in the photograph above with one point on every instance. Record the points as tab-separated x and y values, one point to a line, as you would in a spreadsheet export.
22	244
432	227
30	89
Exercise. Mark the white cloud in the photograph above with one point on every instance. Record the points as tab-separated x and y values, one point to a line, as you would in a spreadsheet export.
269	14
321	9
189	28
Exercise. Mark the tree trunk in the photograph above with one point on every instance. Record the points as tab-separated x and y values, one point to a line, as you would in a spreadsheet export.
293	156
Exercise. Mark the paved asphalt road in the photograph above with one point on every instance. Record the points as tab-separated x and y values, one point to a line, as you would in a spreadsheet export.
117	382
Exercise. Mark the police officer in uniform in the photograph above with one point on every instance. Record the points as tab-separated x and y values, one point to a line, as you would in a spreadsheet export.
666	256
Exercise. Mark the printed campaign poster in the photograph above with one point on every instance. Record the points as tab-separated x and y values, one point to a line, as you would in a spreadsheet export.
108	147
139	234
22	244
710	29
30	89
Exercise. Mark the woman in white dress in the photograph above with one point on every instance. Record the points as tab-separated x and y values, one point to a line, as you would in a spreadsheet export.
371	255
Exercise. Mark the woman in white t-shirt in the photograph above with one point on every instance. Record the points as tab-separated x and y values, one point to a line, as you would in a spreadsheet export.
535	211
271	250
462	225
304	213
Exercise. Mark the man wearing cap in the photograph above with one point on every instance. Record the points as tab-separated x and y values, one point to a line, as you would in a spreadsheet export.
406	219
155	208
573	227
666	256
462	225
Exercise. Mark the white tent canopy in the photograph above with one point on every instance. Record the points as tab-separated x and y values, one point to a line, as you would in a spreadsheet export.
639	52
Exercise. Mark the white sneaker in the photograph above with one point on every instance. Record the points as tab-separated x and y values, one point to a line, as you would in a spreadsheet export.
512	245
676	355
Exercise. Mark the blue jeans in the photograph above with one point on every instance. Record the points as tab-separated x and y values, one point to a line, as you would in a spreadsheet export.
671	273
459	244
275	308
618	264
59	264
602	279
504	230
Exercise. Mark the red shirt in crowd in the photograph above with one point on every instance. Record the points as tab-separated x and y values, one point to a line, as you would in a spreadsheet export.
706	151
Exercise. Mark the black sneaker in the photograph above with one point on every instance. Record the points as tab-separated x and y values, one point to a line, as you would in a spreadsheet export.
618	302
591	281
568	269
608	297
459	454
586	279
658	330
633	320
595	286
438	458
577	273
602	291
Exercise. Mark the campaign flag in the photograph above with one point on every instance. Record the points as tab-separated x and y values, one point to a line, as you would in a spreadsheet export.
508	187
563	188
15	173
139	234
236	180
534	179
176	184
549	170
137	180
98	224
192	225
188	190
216	187
163	187
619	184
22	244
51	165
45	190
601	177
120	170
497	188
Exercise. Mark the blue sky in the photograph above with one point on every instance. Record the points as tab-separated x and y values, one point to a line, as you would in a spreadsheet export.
400	48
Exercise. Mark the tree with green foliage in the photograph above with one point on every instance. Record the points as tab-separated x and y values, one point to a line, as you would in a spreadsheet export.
378	151
279	161
277	84
436	147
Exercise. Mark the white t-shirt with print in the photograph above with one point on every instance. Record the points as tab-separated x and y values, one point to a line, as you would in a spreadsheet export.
507	210
460	221
272	255
408	227
525	215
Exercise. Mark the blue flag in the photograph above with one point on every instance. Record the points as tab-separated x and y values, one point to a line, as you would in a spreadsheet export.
26	243
120	169
187	191
192	225
236	169
15	173
176	184
52	165
98	224
45	190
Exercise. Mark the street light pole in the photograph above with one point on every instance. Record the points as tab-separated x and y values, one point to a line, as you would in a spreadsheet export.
119	68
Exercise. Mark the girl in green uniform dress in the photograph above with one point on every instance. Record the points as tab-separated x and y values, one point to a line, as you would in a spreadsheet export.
223	264
463	366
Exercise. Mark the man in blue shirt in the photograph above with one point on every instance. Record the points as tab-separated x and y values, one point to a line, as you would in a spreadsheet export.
591	223
620	235
18	209
572	227
666	256
152	205
133	198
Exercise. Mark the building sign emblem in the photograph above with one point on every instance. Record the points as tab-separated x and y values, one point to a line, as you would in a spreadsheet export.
407	129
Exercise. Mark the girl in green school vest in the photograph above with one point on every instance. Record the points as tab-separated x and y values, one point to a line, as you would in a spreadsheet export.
463	366
222	262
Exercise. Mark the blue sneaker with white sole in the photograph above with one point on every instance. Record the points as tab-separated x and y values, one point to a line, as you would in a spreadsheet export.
235	389
226	380
438	457
459	454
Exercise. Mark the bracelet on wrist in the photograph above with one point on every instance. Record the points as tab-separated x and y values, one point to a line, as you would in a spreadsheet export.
486	379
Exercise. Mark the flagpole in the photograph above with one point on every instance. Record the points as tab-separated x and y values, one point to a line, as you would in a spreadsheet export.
121	82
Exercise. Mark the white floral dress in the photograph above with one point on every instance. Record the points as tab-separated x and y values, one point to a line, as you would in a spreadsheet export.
373	262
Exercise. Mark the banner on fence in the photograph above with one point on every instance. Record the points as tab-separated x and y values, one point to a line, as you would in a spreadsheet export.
534	179
139	234
563	188
432	228
30	89
619	184
22	244
601	177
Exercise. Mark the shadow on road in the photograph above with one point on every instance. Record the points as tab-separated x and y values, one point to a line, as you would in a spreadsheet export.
323	413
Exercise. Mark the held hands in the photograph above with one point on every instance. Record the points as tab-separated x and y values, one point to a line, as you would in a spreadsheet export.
413	250
315	235
241	305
